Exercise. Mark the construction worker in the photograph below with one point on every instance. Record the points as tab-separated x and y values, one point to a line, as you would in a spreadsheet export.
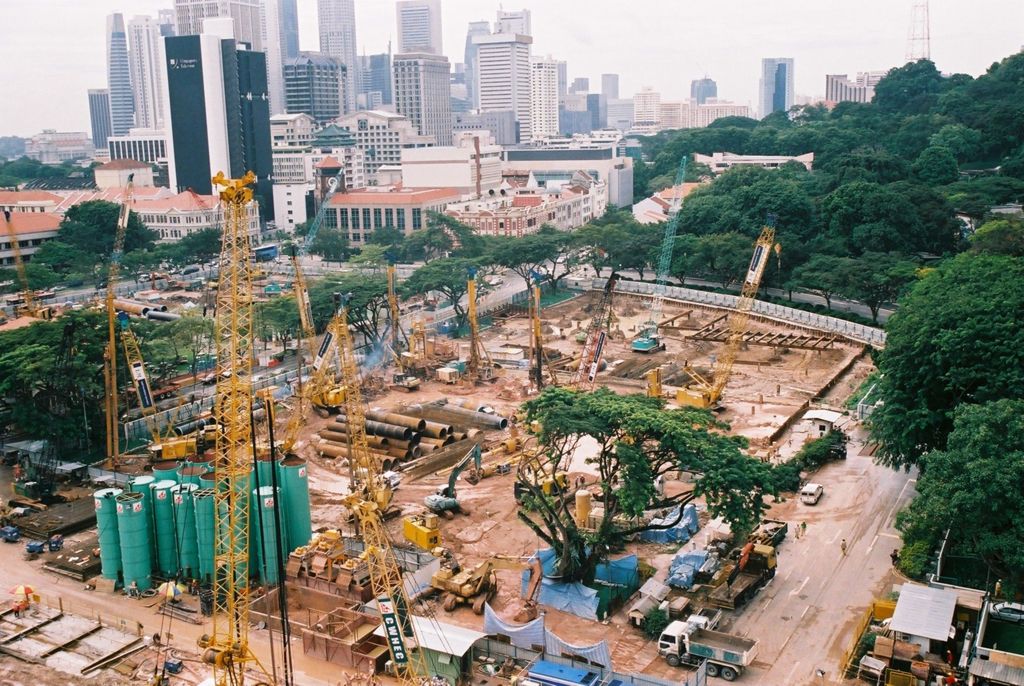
842	546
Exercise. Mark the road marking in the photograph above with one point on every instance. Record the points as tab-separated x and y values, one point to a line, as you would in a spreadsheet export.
833	539
873	541
890	535
805	611
806	550
789	677
896	504
823	582
786	575
800	587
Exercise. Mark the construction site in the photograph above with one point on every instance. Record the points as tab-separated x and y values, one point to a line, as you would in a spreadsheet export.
365	520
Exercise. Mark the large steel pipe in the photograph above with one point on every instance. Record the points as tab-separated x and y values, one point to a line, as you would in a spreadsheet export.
382	429
414	423
437	429
460	415
160	316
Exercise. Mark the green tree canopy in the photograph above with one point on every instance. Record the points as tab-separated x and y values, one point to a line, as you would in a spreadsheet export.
448	276
330	243
1000	237
954	340
936	166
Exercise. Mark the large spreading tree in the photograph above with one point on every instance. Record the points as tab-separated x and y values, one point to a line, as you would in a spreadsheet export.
637	441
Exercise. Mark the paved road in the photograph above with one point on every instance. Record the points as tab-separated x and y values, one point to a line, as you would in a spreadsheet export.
804	619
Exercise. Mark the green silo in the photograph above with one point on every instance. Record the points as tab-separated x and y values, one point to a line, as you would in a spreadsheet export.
185	529
133	532
144	485
190	473
206	479
163	529
205	526
264	538
106	524
166	469
294	481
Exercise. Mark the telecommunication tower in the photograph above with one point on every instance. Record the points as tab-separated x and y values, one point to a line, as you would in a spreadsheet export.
919	42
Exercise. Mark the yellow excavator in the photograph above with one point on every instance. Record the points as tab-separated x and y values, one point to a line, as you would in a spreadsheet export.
478	585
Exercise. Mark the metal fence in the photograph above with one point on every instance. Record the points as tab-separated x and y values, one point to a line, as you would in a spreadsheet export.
857	332
489	647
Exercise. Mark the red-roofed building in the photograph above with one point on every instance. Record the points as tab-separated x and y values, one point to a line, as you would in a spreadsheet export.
654	209
179	215
32	230
360	212
28	201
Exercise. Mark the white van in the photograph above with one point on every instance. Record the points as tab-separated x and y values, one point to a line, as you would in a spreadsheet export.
811	493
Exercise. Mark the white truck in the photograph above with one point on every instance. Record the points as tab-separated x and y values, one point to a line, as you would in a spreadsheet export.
726	655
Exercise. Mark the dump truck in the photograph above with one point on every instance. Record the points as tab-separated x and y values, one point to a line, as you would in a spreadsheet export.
727	655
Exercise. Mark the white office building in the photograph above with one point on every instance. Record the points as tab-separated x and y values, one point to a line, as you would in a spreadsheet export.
382	136
503	76
543	97
292	131
646	105
419	26
513	21
337	22
422	92
145	60
472	165
247	16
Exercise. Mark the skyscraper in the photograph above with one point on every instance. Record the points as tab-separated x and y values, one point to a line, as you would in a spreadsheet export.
289	28
513	21
314	84
563	78
610	86
145	58
419	26
840	88
581	84
99	116
422	89
503	76
476	28
337	21
702	89
645	107
247	16
543	97
119	80
165	19
281	36
776	84
377	77
219	116
597	106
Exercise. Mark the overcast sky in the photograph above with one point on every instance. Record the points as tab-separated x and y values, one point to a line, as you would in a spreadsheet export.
52	51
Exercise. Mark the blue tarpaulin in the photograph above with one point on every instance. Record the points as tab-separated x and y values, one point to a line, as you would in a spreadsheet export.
578	599
684	566
522	635
680	532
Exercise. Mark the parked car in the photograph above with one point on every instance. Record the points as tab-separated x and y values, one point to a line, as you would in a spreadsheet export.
1008	612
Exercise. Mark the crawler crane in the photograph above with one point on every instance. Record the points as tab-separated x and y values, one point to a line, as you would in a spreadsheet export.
110	353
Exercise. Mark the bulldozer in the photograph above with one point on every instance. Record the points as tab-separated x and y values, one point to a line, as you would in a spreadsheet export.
476	586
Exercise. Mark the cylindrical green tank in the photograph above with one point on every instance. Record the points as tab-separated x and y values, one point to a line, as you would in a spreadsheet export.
166	469
200	463
144	485
264	472
206	479
190	473
294	483
163	529
185	529
106	524
205	527
133	533
264	535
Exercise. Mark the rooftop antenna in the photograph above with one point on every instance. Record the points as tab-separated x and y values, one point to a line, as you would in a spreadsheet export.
919	43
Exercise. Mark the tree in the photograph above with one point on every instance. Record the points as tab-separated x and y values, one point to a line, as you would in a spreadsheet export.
824	275
954	340
330	243
366	309
960	140
1000	237
720	257
200	246
193	333
444	236
936	166
637	441
448	276
90	227
387	236
525	256
877	278
869	216
972	488
371	256
278	319
911	89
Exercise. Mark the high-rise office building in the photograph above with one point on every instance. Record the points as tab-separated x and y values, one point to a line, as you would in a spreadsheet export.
376	80
620	114
476	28
247	16
610	86
165	19
645	108
422	90
145	58
314	84
289	13
419	26
99	116
543	97
840	88
119	79
776	85
701	90
337	21
597	106
581	84
503	76
513	21
219	116
563	78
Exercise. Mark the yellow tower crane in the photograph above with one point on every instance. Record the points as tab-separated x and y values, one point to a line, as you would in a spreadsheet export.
110	353
29	308
370	496
226	648
706	393
480	367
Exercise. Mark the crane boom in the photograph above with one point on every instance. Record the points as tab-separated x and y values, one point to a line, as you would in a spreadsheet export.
29	308
647	340
479	367
367	502
593	344
227	647
110	354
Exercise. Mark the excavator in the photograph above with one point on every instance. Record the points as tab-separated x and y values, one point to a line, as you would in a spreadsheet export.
478	585
445	502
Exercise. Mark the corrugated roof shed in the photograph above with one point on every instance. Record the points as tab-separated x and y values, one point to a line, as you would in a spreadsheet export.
924	611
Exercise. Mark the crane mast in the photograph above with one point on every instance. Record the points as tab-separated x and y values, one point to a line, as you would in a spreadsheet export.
110	354
593	343
536	335
707	393
479	367
227	647
29	308
647	340
370	496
